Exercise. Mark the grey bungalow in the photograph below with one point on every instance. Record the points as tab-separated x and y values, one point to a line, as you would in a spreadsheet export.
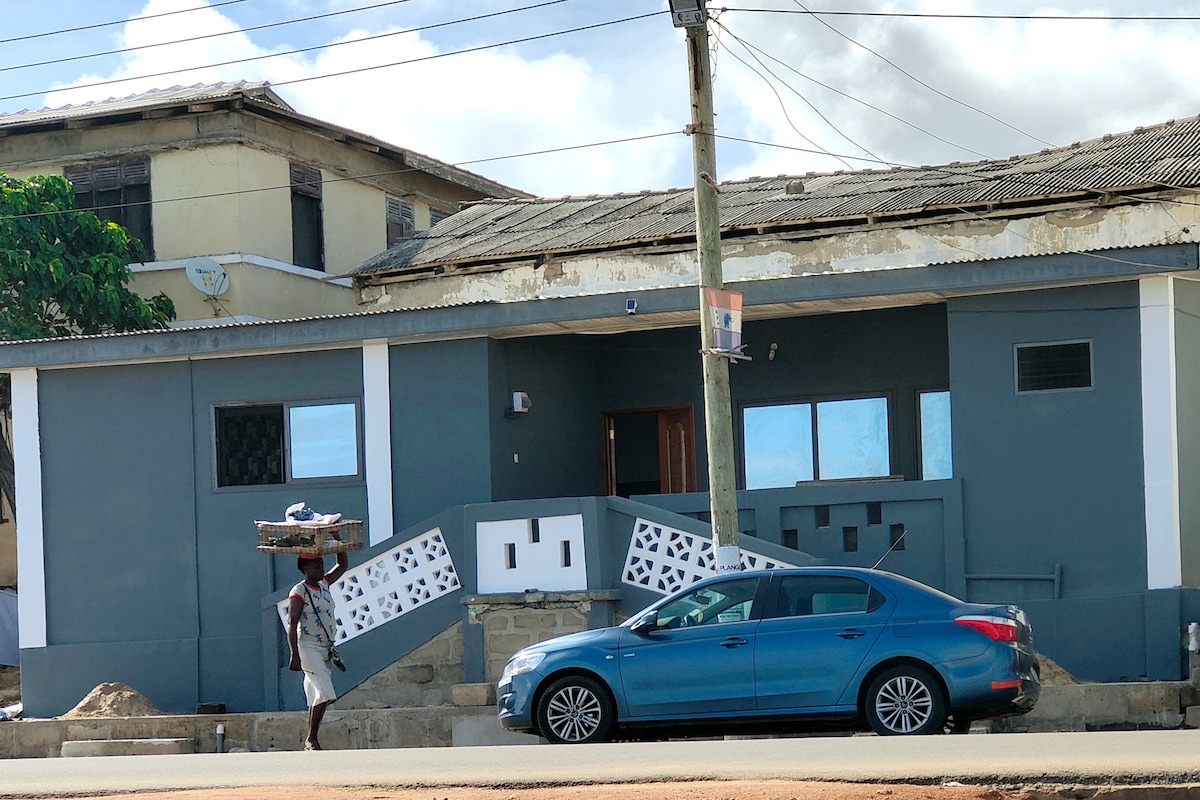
991	367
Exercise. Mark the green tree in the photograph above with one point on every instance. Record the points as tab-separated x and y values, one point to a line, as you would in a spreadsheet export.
63	272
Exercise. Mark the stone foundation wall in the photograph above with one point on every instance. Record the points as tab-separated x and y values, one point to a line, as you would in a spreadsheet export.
424	677
514	621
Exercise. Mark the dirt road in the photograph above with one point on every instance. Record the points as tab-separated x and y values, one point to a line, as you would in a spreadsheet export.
698	790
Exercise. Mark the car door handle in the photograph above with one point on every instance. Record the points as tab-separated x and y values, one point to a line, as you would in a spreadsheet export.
731	642
851	633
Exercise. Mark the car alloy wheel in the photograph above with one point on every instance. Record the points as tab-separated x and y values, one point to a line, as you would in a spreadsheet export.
575	710
905	700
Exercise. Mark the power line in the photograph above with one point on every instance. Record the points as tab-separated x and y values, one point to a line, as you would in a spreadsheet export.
60	31
364	176
356	41
850	97
281	23
919	15
912	77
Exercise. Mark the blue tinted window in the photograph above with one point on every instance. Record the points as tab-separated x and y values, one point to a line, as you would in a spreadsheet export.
936	460
323	440
850	438
778	445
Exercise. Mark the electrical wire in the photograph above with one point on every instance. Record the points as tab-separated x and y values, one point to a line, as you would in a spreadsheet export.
783	107
851	97
364	176
925	15
61	31
266	26
352	41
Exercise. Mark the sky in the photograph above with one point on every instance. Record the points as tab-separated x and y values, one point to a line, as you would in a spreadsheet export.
492	85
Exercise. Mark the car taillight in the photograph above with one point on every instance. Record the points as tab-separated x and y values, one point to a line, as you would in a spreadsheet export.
998	629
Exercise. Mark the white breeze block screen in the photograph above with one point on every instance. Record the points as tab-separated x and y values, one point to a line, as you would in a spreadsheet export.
391	584
545	553
664	559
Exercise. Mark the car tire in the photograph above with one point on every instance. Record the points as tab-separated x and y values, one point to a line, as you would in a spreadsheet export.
904	701
576	709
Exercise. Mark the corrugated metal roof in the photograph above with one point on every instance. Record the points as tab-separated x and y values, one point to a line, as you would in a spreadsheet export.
195	93
1161	157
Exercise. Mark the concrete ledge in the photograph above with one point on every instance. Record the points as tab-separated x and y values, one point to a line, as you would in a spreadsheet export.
127	747
1102	706
474	694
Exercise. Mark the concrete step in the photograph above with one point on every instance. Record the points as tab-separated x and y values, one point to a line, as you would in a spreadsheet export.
127	747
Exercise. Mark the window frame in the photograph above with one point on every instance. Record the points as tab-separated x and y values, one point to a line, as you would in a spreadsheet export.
120	175
286	448
306	191
1018	347
920	393
400	219
813	404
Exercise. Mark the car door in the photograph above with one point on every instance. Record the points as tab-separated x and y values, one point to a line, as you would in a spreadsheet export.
810	646
697	658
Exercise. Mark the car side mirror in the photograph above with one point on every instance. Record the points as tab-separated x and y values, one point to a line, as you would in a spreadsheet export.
647	624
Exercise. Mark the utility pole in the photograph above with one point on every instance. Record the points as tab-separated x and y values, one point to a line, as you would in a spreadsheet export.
718	412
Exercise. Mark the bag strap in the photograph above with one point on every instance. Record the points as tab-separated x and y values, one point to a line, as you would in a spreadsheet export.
317	614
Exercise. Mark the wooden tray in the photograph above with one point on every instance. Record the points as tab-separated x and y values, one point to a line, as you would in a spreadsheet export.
308	539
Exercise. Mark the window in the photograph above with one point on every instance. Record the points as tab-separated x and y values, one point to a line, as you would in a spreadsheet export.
401	220
805	595
118	191
436	216
1052	367
308	234
282	443
936	461
786	444
727	601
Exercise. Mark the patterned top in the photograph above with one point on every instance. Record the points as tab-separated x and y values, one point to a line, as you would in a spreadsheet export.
309	630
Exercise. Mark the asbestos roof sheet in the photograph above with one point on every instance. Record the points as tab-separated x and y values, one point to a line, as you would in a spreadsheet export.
1158	158
175	95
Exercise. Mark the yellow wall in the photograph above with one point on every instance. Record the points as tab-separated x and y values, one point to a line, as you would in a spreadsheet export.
264	217
195	211
355	223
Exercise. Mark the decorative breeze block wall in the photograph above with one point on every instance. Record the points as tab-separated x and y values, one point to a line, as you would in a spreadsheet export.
543	554
390	585
664	559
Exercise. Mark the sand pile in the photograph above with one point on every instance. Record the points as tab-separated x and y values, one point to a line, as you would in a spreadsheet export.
1053	674
113	700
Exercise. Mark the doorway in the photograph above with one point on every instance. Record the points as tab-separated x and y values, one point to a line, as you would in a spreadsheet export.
650	451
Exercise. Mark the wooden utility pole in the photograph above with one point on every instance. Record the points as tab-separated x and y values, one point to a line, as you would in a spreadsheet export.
718	412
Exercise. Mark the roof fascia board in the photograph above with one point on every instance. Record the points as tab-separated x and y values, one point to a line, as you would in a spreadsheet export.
480	320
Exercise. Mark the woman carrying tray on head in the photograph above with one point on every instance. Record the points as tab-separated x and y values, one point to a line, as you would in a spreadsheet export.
312	628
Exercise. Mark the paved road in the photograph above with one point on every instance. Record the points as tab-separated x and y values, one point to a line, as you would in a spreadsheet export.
1094	758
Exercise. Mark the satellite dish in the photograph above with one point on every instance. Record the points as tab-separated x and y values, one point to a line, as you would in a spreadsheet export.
207	275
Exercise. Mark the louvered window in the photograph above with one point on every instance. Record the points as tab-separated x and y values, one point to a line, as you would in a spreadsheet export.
308	234
436	216
118	191
401	220
1054	367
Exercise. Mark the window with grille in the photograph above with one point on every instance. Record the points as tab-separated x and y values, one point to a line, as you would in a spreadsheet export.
280	443
401	220
118	191
1054	367
308	234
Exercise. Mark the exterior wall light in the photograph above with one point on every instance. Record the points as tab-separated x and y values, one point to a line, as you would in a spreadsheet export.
687	13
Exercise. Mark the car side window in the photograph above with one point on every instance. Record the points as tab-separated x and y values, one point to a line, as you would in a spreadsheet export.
808	595
727	601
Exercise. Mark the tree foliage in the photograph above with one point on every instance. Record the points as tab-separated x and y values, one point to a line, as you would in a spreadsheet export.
64	271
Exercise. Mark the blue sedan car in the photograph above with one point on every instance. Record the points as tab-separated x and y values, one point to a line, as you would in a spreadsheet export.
781	650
